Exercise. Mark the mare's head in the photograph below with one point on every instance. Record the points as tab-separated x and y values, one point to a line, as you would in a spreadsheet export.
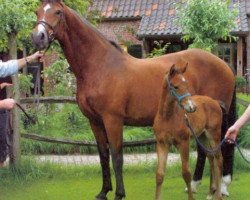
50	23
178	88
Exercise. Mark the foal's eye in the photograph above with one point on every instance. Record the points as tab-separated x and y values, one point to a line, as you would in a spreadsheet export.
176	87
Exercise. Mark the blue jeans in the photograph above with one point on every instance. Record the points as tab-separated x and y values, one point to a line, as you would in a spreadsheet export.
4	129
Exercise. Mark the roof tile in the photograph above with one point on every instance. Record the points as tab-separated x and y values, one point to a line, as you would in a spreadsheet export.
158	15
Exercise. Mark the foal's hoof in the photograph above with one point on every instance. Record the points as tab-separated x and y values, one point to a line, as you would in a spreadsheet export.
194	186
209	197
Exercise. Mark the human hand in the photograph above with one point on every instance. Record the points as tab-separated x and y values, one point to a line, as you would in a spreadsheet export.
7	104
231	134
3	85
37	56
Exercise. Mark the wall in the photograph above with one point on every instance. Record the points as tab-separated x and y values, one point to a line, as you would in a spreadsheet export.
121	32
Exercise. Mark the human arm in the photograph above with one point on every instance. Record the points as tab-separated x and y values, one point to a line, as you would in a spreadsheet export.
24	61
233	131
7	104
12	66
3	85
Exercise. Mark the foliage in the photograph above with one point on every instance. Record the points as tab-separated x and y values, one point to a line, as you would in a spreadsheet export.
240	82
204	22
59	79
159	50
244	136
25	83
18	16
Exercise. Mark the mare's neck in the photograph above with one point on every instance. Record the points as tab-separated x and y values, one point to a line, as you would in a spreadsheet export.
83	46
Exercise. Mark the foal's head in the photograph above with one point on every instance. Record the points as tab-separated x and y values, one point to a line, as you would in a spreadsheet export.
50	16
178	88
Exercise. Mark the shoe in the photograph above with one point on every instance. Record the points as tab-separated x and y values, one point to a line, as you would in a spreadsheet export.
194	186
226	180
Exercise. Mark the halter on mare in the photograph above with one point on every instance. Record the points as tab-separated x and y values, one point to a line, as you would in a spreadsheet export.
51	36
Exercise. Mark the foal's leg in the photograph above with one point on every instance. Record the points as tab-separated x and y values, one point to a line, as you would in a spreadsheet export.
114	128
216	164
215	167
102	144
162	149
184	152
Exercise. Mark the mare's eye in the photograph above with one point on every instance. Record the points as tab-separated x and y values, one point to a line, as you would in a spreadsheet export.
176	87
58	12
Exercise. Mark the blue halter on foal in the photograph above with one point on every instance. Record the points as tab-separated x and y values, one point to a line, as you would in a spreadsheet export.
175	94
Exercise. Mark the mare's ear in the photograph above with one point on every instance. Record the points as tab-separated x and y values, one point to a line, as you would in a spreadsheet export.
184	68
172	71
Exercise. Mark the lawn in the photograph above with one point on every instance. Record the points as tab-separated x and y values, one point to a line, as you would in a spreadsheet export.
83	183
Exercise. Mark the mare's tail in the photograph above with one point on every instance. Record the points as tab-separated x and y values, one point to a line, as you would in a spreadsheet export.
228	149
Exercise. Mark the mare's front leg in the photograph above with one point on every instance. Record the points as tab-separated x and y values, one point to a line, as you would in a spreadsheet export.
103	149
114	128
183	148
162	149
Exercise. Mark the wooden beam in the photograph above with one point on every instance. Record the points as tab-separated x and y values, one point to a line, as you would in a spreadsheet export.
240	57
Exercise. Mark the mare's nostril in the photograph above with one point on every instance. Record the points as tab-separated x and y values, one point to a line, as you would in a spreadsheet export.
42	36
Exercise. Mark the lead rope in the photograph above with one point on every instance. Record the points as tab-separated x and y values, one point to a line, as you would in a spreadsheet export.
217	148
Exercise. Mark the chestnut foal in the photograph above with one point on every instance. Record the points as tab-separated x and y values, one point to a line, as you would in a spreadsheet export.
204	114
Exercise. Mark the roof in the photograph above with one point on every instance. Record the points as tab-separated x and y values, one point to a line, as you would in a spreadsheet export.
157	16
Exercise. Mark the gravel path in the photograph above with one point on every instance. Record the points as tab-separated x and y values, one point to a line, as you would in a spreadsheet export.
129	159
94	159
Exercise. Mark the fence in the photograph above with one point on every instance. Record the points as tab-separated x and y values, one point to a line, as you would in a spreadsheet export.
74	142
37	137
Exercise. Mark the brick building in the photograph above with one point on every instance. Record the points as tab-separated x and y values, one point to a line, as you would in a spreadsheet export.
137	24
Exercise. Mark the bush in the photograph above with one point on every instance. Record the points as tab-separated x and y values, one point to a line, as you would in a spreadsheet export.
240	82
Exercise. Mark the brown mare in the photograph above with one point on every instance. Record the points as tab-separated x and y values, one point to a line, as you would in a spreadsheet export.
203	113
116	89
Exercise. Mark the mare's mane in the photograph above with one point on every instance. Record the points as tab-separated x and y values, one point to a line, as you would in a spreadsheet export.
90	26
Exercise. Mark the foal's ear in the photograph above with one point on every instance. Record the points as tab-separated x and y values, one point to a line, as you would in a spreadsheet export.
184	68
172	71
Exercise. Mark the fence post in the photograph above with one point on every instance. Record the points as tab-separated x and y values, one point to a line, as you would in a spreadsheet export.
15	153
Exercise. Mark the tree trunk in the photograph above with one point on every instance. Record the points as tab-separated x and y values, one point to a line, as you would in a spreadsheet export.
15	153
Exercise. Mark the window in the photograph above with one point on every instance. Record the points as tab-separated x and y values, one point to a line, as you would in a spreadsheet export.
135	50
227	53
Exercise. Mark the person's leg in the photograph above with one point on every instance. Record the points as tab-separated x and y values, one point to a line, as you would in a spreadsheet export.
3	137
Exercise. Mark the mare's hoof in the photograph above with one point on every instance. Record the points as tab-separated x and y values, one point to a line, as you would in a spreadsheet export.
101	197
97	198
118	198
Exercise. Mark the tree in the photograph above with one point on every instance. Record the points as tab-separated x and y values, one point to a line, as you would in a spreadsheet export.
16	17
204	22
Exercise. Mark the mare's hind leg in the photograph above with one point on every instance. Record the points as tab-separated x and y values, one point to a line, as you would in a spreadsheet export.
102	144
184	152
162	149
114	128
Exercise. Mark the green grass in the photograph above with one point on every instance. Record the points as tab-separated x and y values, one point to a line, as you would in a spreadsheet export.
31	181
